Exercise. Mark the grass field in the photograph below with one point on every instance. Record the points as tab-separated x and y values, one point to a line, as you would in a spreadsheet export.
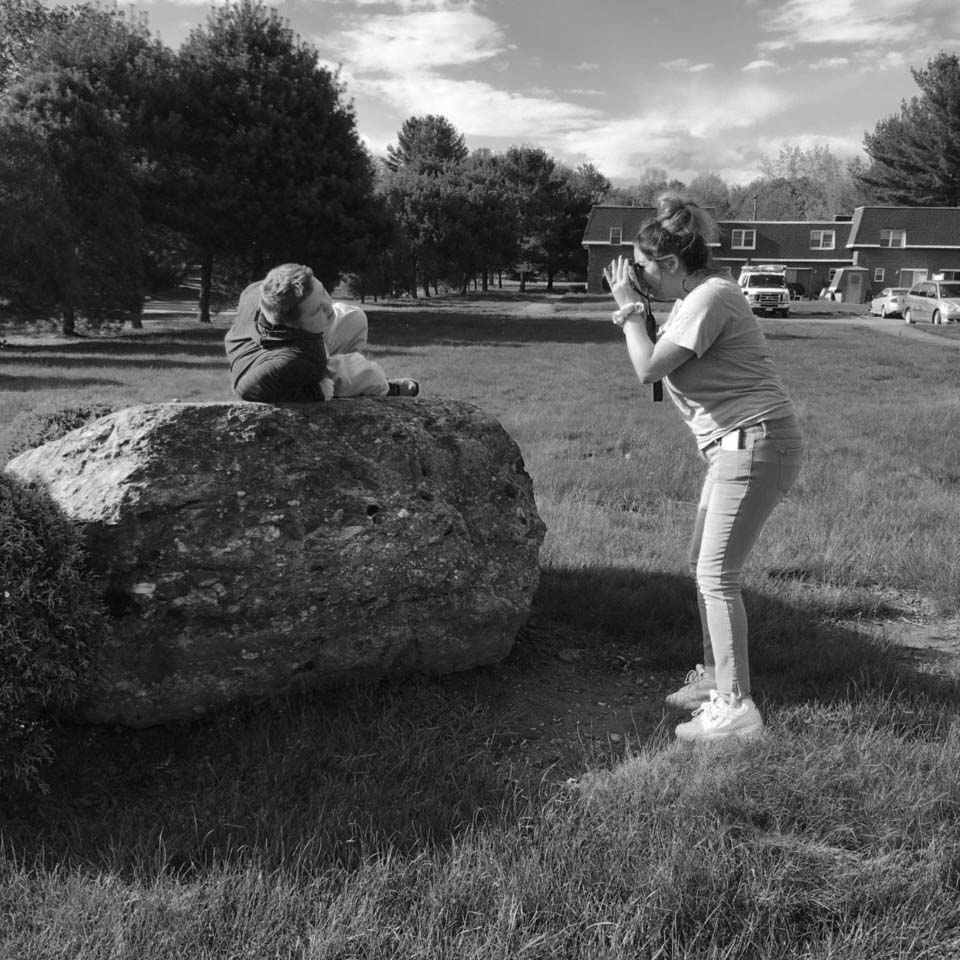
405	820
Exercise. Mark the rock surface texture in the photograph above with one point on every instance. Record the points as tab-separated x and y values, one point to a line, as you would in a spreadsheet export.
244	548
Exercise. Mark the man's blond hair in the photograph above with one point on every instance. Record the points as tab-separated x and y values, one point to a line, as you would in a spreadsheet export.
283	290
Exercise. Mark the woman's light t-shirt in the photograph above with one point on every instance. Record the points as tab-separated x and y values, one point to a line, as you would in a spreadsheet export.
731	381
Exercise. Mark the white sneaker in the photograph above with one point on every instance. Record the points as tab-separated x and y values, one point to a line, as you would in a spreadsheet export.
723	716
695	690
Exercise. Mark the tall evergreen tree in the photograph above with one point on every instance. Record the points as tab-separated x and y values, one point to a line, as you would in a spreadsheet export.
435	200
429	143
262	160
575	191
535	186
914	157
67	102
36	251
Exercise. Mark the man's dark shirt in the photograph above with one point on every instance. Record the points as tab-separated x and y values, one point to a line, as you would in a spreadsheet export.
272	364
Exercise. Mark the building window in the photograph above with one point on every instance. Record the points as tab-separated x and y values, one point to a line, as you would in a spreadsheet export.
616	236
909	277
823	239
832	273
878	275
743	239
893	238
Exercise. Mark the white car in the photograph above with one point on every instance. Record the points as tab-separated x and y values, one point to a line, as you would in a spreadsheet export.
935	300
889	302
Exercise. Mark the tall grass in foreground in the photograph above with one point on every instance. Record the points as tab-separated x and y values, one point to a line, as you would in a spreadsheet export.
382	822
835	837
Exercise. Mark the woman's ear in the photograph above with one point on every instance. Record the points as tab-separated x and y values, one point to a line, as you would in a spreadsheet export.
671	262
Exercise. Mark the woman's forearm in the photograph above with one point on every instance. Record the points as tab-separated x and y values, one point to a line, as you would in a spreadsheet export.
640	348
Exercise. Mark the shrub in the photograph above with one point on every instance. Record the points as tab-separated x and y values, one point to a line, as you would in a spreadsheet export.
47	611
45	423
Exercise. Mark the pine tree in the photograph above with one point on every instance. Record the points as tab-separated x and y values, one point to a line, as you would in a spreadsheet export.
71	82
260	159
914	154
427	143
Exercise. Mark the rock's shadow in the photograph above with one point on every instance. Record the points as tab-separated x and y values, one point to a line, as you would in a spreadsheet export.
360	768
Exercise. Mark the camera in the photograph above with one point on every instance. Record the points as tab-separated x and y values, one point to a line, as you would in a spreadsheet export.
637	281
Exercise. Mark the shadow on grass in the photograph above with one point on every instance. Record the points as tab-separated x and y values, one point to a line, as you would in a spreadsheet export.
203	342
388	329
27	384
330	777
798	651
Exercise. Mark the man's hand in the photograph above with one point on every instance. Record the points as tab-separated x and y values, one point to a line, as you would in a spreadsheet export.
619	276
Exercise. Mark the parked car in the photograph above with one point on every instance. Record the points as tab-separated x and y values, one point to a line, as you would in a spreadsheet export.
889	302
935	300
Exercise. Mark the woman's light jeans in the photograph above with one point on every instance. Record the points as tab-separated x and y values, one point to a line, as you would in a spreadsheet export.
741	489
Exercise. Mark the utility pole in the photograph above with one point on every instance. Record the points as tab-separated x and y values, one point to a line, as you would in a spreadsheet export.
756	200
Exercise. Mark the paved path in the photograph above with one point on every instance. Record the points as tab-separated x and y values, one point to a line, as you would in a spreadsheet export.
892	326
897	328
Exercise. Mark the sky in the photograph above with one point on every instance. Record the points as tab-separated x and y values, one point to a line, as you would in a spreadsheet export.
686	86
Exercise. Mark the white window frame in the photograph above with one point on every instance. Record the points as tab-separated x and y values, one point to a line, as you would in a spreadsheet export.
825	239
616	236
878	274
893	238
743	244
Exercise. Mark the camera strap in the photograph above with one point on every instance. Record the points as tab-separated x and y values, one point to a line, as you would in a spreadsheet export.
651	325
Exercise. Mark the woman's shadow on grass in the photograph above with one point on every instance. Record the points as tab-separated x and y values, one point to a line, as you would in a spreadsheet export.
323	779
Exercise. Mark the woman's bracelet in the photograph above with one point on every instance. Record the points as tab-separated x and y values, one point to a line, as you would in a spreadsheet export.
621	316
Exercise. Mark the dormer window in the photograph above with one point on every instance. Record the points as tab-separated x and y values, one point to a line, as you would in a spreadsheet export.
823	239
743	239
616	236
893	238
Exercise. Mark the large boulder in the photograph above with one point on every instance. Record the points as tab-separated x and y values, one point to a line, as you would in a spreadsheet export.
246	548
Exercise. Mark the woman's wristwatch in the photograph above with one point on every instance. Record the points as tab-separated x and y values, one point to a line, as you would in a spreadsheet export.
621	316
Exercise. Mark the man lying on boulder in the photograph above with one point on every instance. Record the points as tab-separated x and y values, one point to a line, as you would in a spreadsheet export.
291	342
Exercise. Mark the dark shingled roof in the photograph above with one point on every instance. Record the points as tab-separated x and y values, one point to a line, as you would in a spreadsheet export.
924	226
629	219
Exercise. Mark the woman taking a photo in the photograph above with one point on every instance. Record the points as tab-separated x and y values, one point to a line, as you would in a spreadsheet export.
713	358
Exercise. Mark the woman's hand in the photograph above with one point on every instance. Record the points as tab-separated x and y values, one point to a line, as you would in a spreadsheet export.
619	276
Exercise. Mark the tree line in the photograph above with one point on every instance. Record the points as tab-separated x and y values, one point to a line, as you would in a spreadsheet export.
123	163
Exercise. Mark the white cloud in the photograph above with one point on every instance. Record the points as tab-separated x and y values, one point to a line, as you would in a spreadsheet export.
685	65
190	3
684	133
404	60
880	23
415	43
829	63
447	58
408	5
870	62
479	109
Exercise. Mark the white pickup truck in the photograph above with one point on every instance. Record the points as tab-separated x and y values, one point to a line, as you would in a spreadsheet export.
765	287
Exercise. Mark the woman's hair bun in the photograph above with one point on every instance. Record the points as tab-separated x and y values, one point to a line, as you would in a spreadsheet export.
685	218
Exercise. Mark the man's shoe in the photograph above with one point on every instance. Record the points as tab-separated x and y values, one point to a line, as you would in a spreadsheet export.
403	388
695	690
722	717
